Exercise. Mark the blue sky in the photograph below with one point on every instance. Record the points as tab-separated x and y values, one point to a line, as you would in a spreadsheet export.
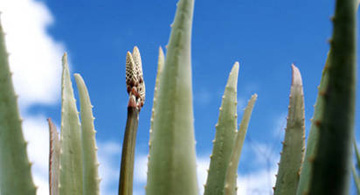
264	36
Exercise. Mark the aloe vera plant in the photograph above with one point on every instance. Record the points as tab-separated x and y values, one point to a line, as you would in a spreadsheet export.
228	141
172	161
73	165
76	165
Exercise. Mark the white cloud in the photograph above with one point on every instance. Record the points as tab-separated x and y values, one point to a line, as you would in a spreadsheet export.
36	133
108	154
140	172
202	171
258	182
35	57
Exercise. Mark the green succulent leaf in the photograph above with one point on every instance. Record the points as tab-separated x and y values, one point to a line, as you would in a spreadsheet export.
337	124
71	166
224	137
354	173
172	165
231	172
356	179
294	144
54	159
91	180
161	61
15	168
306	170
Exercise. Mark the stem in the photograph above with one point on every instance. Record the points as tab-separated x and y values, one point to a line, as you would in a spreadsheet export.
128	152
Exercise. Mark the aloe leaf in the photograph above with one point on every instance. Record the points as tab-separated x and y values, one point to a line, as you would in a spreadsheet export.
294	144
332	160
231	172
224	136
71	169
172	165
357	154
355	175
54	159
91	180
306	169
356	179
15	168
160	68
312	141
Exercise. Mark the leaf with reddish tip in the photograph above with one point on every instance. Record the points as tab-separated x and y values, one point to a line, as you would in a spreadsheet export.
293	146
54	159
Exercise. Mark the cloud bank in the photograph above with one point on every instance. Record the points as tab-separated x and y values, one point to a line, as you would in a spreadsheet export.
35	57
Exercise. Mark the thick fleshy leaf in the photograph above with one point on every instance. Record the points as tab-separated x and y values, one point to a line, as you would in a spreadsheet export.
15	168
337	124
160	67
231	172
223	143
54	159
292	155
71	169
172	165
89	158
